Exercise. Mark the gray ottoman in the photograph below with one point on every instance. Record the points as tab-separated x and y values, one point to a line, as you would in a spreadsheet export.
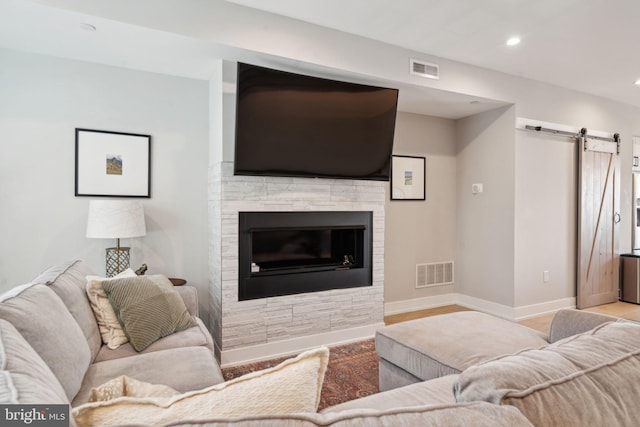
422	349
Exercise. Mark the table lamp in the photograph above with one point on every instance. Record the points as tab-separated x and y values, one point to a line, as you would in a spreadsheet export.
116	219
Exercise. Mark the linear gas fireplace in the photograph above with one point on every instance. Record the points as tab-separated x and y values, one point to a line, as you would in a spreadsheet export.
285	253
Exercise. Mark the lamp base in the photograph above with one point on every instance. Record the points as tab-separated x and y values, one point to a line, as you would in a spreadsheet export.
117	260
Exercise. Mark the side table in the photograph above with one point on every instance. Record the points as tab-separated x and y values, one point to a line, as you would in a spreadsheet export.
177	282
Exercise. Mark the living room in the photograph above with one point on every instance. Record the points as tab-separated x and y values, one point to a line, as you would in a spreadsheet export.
500	205
501	241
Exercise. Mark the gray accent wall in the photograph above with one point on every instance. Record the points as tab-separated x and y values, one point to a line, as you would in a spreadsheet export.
421	232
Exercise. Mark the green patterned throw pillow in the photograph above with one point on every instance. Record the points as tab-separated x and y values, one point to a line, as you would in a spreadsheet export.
148	308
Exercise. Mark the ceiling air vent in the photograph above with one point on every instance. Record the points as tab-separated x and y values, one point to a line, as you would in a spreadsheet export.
424	69
435	274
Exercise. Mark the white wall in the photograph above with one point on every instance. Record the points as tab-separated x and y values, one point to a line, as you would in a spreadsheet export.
485	221
546	217
422	231
43	100
542	102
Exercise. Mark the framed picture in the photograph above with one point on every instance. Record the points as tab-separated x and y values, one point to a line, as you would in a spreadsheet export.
112	164
408	179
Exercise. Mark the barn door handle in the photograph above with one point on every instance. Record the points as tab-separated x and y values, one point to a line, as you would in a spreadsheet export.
616	218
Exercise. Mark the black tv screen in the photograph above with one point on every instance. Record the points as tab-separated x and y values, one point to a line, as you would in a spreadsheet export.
295	125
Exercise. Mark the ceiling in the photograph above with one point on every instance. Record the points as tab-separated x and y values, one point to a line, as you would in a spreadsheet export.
586	45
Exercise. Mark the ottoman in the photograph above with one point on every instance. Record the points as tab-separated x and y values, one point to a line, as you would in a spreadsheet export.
432	347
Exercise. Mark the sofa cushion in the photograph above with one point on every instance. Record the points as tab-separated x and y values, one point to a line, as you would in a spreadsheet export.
448	344
438	391
184	369
293	386
24	377
44	321
477	414
148	308
189	295
195	336
67	280
588	379
111	331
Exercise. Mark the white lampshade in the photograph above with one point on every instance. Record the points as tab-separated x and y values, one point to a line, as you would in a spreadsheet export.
117	219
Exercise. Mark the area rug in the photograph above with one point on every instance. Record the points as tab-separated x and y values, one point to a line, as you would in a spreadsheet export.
352	372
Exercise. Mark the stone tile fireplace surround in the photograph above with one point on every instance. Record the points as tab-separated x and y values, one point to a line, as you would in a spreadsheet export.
261	328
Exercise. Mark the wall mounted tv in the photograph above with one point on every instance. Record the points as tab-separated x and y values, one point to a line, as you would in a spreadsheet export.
295	125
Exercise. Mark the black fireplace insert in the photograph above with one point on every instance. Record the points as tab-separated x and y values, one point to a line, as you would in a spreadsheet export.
284	253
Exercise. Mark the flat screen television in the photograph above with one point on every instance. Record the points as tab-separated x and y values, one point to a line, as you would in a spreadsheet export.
289	124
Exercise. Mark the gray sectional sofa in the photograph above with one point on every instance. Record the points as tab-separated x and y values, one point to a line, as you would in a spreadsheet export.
585	373
48	325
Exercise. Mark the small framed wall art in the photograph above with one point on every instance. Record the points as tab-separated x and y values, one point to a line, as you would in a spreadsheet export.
112	164
408	179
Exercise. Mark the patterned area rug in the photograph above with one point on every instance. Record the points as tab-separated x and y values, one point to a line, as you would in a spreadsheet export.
352	372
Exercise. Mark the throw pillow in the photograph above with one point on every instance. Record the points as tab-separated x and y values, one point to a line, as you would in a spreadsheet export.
293	386
110	330
148	308
124	386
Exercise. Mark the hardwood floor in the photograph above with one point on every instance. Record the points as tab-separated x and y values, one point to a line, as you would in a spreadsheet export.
403	317
542	323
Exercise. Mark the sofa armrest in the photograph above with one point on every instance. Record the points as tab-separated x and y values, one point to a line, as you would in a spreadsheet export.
571	322
190	296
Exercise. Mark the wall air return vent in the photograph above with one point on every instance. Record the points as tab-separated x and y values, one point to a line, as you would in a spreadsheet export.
424	69
434	274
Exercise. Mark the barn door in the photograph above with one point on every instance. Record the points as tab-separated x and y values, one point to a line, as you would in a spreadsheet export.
598	218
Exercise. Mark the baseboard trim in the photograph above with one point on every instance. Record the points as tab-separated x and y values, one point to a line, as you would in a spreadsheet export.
293	346
547	307
499	310
490	307
424	303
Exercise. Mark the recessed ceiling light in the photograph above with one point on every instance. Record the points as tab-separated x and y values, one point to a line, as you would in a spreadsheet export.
513	41
637	82
87	27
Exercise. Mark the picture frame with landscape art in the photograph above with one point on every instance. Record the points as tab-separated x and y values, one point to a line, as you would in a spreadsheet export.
112	164
408	179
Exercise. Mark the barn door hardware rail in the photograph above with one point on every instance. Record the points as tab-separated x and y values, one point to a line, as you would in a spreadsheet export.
582	134
553	131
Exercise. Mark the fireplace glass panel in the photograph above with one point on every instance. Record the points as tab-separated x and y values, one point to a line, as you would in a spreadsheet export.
305	248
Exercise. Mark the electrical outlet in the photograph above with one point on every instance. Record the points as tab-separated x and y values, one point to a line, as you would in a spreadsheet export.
546	276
